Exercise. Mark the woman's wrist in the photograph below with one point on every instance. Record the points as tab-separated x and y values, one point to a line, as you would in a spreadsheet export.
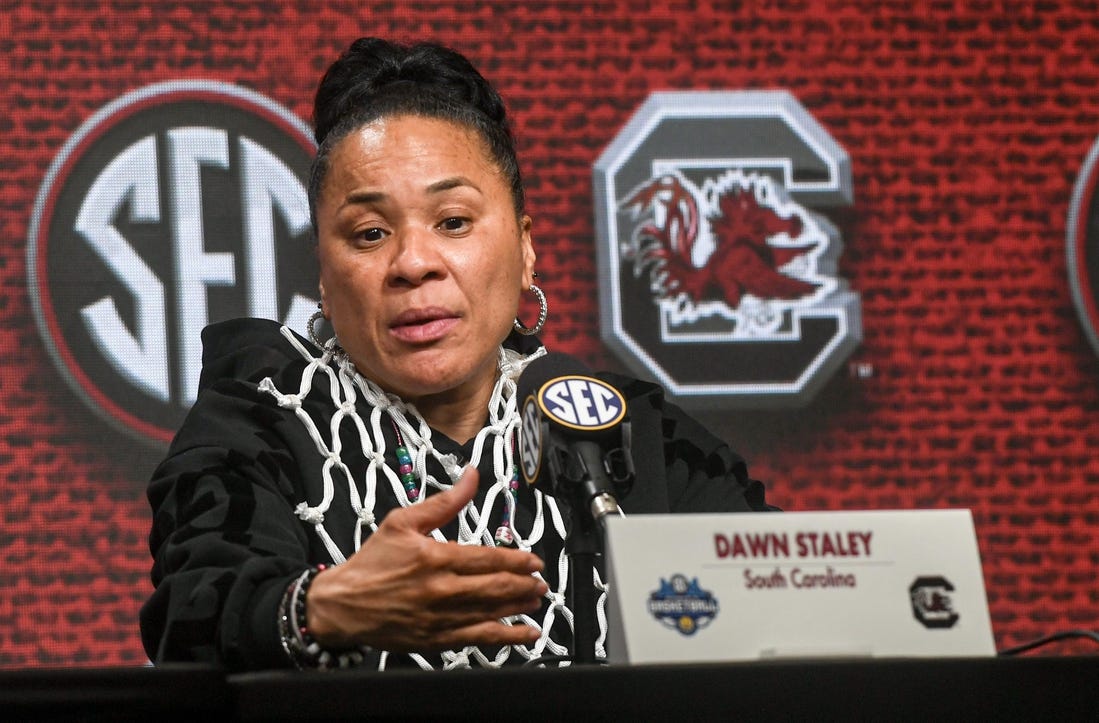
298	641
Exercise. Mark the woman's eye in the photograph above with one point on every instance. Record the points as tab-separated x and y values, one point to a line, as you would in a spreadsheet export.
455	224
372	235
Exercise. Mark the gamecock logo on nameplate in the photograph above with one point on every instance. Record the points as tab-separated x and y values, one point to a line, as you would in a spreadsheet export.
717	268
174	206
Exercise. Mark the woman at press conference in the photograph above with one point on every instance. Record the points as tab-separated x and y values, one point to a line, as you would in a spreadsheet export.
356	501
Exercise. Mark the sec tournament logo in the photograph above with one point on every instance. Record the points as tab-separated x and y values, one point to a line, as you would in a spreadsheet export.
682	604
174	206
718	273
1082	252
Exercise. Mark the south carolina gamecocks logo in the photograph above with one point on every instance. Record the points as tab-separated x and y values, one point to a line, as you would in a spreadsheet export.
718	264
735	251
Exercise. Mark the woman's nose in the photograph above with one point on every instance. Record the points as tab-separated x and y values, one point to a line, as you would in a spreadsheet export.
417	257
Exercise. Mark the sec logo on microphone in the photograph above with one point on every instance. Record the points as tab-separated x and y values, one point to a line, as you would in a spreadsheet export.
581	402
530	441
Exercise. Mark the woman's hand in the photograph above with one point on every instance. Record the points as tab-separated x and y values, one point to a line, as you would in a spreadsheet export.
403	591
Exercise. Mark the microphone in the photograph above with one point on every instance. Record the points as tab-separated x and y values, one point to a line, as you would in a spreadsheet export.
575	435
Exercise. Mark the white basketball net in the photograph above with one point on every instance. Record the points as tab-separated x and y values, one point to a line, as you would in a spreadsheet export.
346	387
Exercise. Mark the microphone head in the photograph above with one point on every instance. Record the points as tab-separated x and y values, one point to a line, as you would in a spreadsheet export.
558	395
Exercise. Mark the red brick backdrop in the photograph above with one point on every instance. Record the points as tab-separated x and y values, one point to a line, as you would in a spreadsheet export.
966	122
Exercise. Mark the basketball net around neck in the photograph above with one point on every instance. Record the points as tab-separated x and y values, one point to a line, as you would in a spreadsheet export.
346	389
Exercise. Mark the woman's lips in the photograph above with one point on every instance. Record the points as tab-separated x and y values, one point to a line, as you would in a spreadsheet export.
419	326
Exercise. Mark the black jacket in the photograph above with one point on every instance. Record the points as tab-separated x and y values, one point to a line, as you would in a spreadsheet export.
226	541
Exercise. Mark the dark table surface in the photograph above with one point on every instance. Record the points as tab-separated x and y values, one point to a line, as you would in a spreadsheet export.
1027	688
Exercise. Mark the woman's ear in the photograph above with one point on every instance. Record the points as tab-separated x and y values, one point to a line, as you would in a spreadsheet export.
529	257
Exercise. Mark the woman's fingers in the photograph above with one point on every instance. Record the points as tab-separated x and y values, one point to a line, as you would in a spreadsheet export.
404	591
483	591
474	560
441	621
488	633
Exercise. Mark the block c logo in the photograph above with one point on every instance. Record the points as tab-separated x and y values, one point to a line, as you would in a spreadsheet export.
716	277
174	206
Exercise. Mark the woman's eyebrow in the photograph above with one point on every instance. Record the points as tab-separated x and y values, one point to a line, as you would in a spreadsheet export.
447	184
364	197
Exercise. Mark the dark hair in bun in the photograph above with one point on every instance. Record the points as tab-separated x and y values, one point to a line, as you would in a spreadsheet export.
376	78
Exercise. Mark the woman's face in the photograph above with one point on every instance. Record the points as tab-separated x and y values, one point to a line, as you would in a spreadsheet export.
422	258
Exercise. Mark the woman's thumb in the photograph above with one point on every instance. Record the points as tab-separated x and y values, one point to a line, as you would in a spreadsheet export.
441	508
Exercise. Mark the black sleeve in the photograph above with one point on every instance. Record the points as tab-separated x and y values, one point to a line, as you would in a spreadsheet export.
704	474
226	544
681	466
225	540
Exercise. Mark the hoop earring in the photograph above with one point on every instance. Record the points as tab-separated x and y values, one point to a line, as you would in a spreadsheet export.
543	310
314	337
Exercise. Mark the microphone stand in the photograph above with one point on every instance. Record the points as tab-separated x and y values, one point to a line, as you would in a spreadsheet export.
591	502
582	545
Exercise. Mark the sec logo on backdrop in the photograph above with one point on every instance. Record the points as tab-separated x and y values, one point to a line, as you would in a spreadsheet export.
718	276
1082	249
174	206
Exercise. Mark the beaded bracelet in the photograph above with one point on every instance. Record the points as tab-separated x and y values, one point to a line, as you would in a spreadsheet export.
300	646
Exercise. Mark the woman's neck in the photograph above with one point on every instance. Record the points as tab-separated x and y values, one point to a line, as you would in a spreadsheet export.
458	413
459	422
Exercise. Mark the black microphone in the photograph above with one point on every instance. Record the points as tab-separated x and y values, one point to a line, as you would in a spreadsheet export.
575	435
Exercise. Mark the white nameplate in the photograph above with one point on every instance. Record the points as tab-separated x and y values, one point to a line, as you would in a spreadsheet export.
708	587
